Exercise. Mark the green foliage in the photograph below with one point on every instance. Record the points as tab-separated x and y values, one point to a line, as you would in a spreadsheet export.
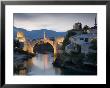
85	28
94	44
73	57
16	43
16	70
77	58
66	40
92	57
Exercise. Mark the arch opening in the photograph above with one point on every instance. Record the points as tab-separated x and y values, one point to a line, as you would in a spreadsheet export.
43	48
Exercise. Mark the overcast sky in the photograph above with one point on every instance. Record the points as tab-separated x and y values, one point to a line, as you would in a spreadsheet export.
52	21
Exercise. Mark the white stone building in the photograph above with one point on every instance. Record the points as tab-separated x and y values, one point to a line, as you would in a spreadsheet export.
83	40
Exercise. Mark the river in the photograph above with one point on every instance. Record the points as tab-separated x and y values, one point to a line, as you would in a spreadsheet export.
42	65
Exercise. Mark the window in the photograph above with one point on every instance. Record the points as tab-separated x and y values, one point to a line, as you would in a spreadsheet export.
86	39
81	38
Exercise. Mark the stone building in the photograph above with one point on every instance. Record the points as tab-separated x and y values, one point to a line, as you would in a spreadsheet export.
77	26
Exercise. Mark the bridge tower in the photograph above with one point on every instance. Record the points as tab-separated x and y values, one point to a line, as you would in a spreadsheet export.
27	46
46	40
44	35
21	37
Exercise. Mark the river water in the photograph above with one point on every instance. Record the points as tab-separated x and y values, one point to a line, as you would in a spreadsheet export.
42	65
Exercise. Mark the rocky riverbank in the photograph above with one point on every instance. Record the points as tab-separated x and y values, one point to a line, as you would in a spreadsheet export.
72	68
22	61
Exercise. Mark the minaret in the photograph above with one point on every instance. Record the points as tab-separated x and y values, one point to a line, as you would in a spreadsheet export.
44	35
95	22
95	25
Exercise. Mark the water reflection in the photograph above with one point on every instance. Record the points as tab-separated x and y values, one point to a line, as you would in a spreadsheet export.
42	65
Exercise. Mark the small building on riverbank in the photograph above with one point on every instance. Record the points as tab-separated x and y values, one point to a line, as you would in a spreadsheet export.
81	42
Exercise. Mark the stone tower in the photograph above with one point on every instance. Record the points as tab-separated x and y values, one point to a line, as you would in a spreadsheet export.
44	35
95	22
95	25
21	37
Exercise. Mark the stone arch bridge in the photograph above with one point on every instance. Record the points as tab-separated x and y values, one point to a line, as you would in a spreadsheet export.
29	45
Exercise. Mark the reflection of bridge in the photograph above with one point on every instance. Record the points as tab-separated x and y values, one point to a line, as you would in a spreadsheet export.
30	45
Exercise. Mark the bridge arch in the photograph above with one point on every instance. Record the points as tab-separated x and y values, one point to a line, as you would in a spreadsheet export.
28	45
41	48
52	43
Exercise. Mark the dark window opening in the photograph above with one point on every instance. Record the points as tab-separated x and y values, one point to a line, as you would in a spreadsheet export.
86	39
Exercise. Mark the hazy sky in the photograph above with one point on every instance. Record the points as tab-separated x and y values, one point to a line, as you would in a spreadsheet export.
52	21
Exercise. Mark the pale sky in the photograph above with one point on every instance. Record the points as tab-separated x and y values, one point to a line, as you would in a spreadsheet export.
52	21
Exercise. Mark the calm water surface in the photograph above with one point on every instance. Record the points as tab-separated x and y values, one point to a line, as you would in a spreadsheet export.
42	65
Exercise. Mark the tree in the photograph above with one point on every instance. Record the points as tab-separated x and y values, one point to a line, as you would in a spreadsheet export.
85	28
66	40
77	58
94	44
92	57
16	43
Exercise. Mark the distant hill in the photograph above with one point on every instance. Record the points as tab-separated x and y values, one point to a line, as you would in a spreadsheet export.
35	34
